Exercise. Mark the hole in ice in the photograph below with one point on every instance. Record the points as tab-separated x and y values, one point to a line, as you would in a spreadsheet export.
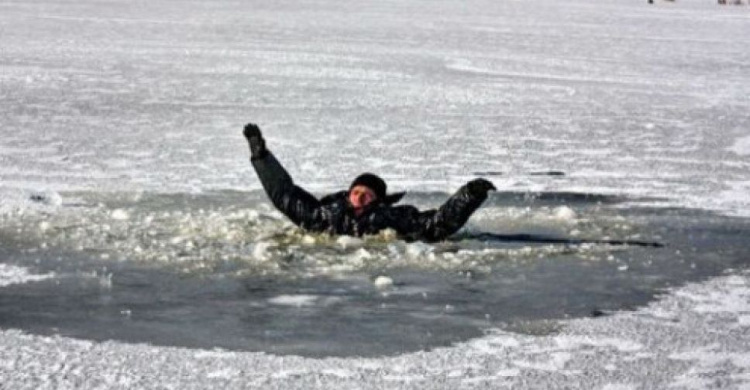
225	270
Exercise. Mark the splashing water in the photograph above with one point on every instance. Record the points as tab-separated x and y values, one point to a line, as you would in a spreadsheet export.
201	234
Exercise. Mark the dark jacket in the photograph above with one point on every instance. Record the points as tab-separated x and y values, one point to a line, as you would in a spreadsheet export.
333	213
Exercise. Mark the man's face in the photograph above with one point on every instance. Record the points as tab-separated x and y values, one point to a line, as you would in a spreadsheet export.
360	196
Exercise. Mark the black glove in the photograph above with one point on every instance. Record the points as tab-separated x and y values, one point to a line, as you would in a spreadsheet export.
255	140
480	187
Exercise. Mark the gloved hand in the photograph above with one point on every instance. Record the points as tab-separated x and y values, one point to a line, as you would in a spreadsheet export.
480	187
255	140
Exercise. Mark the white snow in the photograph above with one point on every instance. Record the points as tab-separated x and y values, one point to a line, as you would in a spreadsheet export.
10	274
741	146
120	215
20	200
383	282
565	213
294	300
303	300
624	97
623	104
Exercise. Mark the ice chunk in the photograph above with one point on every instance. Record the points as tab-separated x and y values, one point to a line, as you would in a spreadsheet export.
418	249
119	215
361	254
349	242
298	300
388	235
564	213
44	226
10	274
308	240
383	282
261	252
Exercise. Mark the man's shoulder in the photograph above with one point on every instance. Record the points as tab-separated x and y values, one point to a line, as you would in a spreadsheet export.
333	198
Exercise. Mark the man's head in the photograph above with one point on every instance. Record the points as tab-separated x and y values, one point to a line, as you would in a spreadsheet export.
366	189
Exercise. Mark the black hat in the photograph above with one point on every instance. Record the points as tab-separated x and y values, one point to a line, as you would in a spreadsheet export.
371	181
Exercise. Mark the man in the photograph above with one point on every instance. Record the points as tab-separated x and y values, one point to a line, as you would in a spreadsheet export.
365	208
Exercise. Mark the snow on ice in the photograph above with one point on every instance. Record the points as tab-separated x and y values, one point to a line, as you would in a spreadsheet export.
624	98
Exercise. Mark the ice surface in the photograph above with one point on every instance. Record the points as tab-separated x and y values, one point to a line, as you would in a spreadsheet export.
691	349
19	200
624	98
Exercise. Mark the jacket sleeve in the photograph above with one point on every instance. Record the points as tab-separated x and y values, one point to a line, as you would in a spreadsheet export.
439	224
296	203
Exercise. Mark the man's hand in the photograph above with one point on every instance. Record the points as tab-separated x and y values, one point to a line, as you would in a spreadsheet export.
480	187
255	140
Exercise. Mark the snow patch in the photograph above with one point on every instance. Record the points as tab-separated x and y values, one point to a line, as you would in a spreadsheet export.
20	200
565	213
294	300
383	282
120	215
741	146
10	274
619	386
553	361
569	342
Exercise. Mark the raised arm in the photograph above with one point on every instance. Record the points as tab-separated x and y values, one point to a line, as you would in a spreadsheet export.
436	225
296	203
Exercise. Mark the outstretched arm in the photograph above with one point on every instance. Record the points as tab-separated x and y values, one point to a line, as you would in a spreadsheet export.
436	225
296	203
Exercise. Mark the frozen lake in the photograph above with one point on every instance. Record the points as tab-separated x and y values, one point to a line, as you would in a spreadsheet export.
625	99
119	119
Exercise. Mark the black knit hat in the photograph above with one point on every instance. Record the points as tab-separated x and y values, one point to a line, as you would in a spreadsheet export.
371	181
